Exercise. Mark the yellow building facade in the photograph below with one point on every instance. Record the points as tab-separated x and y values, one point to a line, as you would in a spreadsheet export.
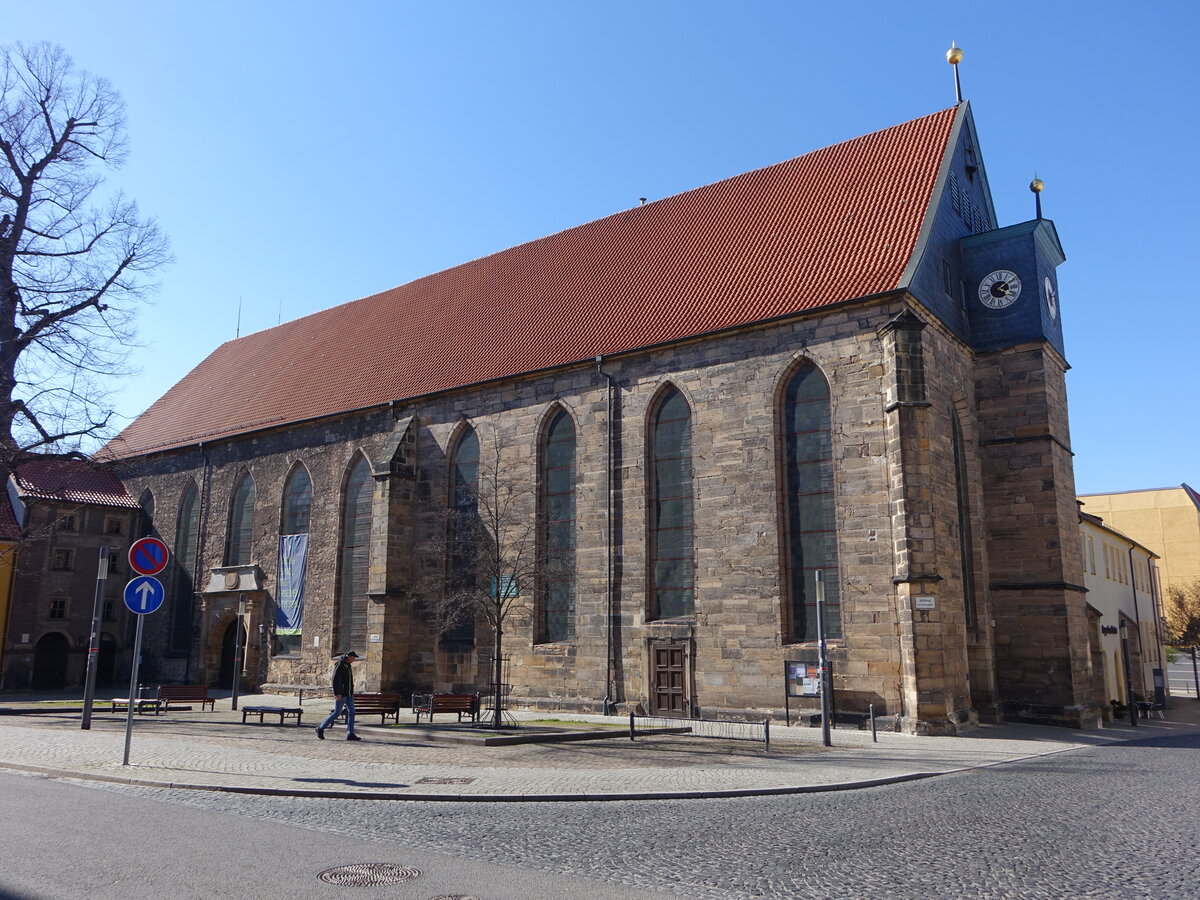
1165	520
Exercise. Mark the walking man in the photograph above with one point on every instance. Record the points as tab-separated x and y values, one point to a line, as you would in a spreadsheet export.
343	696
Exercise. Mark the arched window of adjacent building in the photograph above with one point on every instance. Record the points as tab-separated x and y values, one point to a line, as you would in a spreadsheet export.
965	541
672	567
293	557
146	502
239	543
810	528
187	526
464	536
557	483
354	557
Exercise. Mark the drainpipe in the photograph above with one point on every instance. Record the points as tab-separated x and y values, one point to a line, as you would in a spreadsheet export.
608	537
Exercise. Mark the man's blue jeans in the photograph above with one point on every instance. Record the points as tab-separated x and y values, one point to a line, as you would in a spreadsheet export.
339	703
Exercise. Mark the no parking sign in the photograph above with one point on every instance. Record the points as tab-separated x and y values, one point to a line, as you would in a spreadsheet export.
148	556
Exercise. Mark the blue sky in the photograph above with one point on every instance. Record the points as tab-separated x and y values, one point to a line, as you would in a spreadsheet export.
300	156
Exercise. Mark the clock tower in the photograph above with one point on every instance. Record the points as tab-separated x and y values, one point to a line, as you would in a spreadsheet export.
1042	631
1012	285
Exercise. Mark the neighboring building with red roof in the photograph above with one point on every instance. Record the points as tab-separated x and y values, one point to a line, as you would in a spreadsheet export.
65	511
838	369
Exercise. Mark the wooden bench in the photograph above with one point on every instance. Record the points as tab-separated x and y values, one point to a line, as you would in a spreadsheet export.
384	705
184	693
142	704
446	703
285	712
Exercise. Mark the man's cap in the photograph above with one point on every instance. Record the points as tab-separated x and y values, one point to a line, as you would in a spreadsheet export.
352	655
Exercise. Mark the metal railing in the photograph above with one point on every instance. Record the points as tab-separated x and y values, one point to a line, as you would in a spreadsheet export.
756	732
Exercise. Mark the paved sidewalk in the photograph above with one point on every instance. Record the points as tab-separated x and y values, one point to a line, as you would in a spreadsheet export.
215	751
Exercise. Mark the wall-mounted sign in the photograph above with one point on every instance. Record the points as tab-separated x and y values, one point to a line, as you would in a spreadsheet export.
924	603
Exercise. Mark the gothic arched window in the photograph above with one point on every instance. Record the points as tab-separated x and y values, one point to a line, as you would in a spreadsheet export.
354	558
146	502
558	529
297	502
293	557
810	529
239	541
186	526
464	535
672	567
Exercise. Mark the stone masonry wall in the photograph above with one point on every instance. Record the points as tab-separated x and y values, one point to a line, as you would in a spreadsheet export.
909	663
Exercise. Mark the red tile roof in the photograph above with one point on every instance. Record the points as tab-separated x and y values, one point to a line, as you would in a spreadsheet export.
834	224
71	481
9	529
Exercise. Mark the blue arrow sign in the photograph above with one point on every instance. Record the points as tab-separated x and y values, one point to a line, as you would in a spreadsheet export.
144	594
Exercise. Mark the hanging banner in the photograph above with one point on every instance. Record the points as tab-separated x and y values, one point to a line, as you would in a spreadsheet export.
289	596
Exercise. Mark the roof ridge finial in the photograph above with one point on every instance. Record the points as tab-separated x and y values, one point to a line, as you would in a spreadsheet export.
954	56
1037	186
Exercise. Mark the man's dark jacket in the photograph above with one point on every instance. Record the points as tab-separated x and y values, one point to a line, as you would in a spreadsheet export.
343	678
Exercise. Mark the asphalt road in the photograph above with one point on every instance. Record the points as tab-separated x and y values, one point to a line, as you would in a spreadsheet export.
1115	821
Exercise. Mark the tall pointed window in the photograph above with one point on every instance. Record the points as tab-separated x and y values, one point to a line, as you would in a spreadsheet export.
558	529
810	528
464	533
146	502
186	529
293	557
354	557
965	541
297	502
672	568
239	540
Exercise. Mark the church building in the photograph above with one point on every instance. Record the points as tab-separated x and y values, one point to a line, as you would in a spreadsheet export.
837	373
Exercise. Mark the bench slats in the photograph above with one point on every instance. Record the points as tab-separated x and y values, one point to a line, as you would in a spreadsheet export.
448	703
185	693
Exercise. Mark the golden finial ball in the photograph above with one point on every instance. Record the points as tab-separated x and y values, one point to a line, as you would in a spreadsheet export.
954	55
1036	185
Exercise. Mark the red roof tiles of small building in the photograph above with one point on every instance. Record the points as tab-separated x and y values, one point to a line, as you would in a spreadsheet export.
71	481
9	529
835	224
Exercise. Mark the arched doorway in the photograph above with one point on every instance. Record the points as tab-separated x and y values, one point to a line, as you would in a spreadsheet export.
225	678
50	662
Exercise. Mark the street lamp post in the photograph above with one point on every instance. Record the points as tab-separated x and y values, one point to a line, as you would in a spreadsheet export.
89	684
237	649
823	662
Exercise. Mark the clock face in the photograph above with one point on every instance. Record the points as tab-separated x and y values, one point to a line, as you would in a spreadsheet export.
1051	298
999	289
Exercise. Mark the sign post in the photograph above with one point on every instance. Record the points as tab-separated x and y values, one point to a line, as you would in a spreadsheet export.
93	662
143	595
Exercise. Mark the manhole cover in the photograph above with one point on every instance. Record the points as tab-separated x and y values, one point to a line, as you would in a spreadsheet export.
446	781
454	897
362	874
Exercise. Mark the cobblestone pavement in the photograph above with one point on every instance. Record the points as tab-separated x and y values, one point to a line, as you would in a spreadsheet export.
1115	821
214	750
1114	817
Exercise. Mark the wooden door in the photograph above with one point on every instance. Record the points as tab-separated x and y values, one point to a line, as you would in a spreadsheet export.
669	678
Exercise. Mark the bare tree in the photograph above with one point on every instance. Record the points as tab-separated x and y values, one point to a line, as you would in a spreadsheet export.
74	259
490	549
1181	614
